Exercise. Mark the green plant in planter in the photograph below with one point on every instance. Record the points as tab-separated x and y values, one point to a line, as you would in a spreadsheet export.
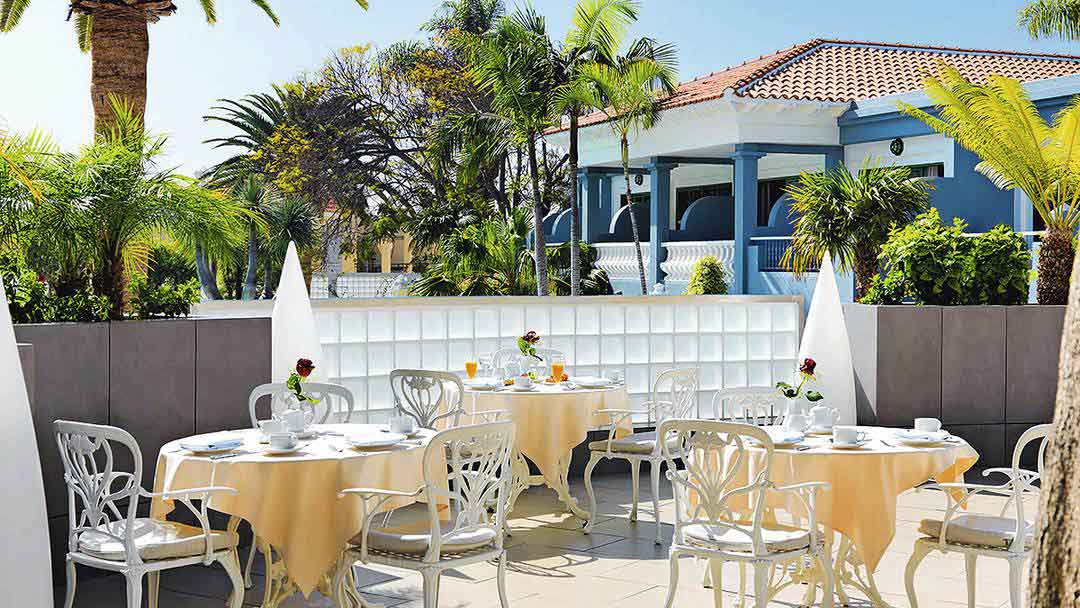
162	301
708	277
998	268
890	290
931	257
82	306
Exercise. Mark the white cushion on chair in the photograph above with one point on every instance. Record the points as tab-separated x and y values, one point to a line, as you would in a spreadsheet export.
637	443
416	539
980	530
726	538
154	539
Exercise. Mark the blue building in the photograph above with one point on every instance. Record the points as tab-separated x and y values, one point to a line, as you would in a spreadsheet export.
709	179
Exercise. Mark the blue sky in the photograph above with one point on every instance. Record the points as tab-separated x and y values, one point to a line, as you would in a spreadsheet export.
44	81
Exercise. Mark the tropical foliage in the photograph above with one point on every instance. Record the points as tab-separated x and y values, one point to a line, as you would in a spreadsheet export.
1018	149
708	277
849	215
1045	18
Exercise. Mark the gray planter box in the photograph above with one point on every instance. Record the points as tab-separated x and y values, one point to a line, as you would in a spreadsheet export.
988	372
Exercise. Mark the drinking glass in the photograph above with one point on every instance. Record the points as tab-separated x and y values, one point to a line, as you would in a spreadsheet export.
558	366
470	367
486	369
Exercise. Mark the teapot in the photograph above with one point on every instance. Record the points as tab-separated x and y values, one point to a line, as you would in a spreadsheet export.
297	420
796	416
824	417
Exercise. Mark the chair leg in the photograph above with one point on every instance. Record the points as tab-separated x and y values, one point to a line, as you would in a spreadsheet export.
918	554
969	569
134	589
716	567
654	474
673	580
635	477
337	586
69	596
250	563
153	587
431	588
594	458
742	585
1016	574
761	584
501	576
828	580
231	563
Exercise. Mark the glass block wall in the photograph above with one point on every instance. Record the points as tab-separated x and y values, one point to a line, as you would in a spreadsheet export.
734	340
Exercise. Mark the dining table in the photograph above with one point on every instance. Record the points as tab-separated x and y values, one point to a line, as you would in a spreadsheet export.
551	419
291	500
859	505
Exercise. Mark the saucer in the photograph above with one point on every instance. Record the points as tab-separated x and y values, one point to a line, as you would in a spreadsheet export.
272	451
849	446
819	430
522	389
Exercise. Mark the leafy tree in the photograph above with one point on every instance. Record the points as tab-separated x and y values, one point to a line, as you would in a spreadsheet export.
116	34
708	277
628	92
849	216
258	196
1044	18
1000	124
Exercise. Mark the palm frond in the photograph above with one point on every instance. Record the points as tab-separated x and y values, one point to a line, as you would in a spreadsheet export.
84	29
209	10
265	6
11	12
1045	18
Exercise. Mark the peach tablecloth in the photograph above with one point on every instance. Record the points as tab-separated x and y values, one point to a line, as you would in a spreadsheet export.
291	501
551	420
865	483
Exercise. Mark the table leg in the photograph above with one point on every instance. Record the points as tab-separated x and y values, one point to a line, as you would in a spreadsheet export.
852	572
562	488
522	481
280	587
519	482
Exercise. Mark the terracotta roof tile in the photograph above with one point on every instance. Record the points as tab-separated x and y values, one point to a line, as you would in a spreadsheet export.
845	70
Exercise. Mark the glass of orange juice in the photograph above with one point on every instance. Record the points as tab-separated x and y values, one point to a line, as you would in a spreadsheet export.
558	366
470	367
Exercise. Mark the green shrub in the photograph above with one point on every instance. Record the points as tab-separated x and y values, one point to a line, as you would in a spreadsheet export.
82	307
931	257
162	301
999	268
890	290
169	264
708	277
29	298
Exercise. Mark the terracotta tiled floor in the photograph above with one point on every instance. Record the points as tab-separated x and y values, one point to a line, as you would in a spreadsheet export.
554	565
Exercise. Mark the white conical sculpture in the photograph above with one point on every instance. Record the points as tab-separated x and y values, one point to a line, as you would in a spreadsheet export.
25	571
294	334
825	340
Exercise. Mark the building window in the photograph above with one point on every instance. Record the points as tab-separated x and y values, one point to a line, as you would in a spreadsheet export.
640	198
684	197
930	170
769	192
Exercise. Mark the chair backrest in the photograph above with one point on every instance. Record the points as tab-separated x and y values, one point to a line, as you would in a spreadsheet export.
759	406
477	458
428	396
280	400
714	485
679	388
1023	481
505	356
98	494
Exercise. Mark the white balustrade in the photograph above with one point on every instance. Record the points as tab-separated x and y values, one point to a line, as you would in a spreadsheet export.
619	260
356	284
681	257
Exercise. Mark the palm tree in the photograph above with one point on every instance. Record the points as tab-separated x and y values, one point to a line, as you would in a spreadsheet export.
513	65
255	118
850	215
1044	18
20	154
258	196
628	92
1000	124
116	34
288	219
596	33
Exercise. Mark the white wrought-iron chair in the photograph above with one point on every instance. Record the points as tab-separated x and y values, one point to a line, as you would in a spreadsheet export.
279	393
478	460
104	531
634	448
1006	536
759	406
505	356
428	397
709	526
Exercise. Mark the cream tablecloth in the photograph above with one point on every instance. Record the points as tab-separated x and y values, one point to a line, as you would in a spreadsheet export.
865	483
291	501
551	420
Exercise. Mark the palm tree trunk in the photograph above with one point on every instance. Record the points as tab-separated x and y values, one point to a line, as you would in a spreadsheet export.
1053	580
250	292
120	46
1055	263
268	269
575	211
539	246
866	266
113	284
633	218
207	278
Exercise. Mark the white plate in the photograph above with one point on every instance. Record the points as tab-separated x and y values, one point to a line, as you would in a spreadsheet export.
272	451
522	389
849	446
785	439
212	446
913	435
591	382
819	430
382	440
924	443
483	385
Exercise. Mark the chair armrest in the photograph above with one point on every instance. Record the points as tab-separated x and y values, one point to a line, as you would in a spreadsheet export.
807	494
202	513
366	493
369	511
191	492
812	486
491	415
617	416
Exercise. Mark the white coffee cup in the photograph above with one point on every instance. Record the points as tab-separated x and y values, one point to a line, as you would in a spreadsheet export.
282	441
269	427
295	420
523	382
927	425
847	435
402	424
